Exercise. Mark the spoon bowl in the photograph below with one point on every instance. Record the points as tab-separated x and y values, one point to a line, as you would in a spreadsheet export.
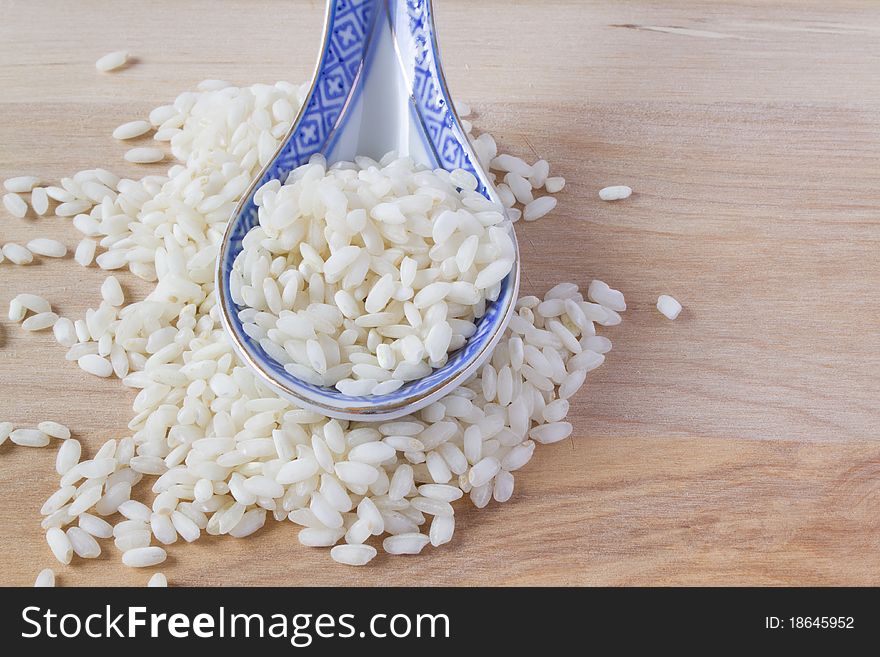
378	87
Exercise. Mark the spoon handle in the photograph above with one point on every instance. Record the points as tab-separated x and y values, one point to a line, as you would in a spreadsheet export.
349	27
412	24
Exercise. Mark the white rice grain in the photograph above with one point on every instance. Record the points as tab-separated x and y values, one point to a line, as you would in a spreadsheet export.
15	204
615	193
94	525
84	545
407	543
538	208
442	528
39	322
111	260
550	433
131	130
144	155
554	185
45	579
512	164
40	201
68	456
72	208
17	254
601	293
353	555
32	302
163	528
20	184
64	331
158	581
60	545
112	61
483	471
134	510
5	429
54	429
143	557
95	365
47	247
668	306
85	252
29	438
111	291
540	171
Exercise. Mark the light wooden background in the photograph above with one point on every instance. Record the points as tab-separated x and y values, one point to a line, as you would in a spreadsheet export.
736	445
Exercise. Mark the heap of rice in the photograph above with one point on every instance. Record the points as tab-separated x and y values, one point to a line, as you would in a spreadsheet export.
223	452
368	275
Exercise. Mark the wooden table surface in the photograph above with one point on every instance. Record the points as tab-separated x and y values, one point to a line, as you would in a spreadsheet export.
739	444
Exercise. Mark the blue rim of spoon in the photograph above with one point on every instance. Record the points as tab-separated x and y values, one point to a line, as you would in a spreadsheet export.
345	59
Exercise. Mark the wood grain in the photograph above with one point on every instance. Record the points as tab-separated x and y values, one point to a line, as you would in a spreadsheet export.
736	445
